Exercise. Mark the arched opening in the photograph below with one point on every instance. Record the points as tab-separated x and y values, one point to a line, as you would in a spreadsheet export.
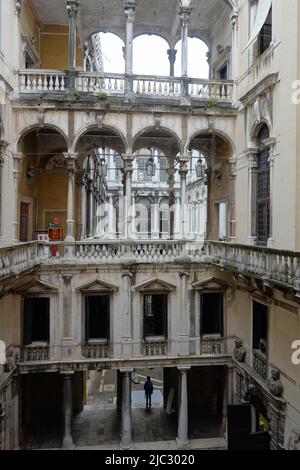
104	52
102	183
214	152
198	66
43	184
155	49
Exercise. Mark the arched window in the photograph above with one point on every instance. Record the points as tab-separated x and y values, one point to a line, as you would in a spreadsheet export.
198	66
263	189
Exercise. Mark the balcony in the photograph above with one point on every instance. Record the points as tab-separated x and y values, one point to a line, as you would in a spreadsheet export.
49	84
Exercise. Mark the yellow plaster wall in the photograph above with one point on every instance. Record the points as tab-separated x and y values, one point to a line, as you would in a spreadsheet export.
54	48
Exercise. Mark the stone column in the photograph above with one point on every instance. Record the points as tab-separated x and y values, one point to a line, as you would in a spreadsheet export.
172	59
232	213
19	6
182	437
83	202
128	169
126	431
271	142
184	324
184	16
72	11
18	158
126	326
183	210
129	8
155	219
71	166
67	410
252	185
234	53
111	230
177	227
67	307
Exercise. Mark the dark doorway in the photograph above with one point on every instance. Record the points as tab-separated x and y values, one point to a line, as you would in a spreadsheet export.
24	221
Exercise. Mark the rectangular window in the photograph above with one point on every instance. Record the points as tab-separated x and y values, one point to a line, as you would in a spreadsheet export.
36	320
212	314
155	315
265	35
260	327
97	317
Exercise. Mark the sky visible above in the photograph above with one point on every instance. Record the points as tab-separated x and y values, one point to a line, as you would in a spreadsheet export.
150	56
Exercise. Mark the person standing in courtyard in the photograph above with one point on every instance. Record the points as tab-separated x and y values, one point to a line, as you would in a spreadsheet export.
148	387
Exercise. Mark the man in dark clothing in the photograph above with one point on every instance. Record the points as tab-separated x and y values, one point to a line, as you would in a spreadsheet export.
148	387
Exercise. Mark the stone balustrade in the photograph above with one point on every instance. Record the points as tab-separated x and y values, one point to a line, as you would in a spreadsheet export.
271	266
212	346
155	348
274	267
41	81
260	364
18	258
95	350
102	84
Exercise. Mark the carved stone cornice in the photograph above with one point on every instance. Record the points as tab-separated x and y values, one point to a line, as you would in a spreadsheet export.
260	89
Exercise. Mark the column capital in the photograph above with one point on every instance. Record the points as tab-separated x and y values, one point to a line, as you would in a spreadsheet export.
17	159
128	274
126	371
3	145
67	374
71	159
129	8
19	5
184	15
172	55
183	274
128	163
183	369
72	8
234	18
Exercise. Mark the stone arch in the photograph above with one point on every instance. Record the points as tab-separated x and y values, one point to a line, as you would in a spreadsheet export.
217	132
153	133
257	127
27	130
105	132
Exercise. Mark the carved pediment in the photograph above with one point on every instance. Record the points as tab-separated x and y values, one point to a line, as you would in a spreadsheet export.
212	283
154	284
36	287
98	285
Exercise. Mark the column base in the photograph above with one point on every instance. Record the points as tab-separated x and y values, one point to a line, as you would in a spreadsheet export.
182	444
251	240
68	443
126	446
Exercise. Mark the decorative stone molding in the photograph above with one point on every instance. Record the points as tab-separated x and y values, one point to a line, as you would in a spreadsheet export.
185	15
239	352
19	5
274	383
129	8
72	8
261	88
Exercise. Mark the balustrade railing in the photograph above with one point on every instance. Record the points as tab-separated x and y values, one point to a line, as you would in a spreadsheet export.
212	346
39	81
218	90
155	348
88	82
157	86
44	81
274	265
18	258
95	350
35	353
260	364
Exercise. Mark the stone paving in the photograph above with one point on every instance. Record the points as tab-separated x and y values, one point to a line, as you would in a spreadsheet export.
98	425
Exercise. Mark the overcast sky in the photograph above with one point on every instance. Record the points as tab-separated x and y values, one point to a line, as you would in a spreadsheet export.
150	56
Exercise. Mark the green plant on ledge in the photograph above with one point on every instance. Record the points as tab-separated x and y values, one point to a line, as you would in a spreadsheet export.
102	96
77	95
212	102
42	95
